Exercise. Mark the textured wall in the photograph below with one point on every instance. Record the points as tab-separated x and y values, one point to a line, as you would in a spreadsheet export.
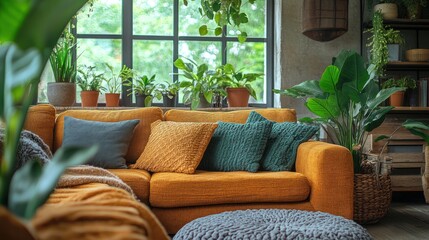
302	58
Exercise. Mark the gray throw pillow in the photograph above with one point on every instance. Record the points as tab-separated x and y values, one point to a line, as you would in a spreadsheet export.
112	139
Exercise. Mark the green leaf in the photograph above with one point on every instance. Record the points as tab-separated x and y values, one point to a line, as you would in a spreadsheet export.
216	6
181	65
329	80
208	96
305	89
244	18
12	14
418	128
31	185
324	108
381	137
376	118
195	103
353	70
308	120
242	37
148	101
203	30
218	31
382	96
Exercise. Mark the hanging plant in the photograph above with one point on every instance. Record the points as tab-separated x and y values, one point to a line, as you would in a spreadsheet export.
223	12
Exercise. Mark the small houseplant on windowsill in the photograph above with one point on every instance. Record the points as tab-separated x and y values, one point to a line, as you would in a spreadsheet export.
406	82
91	84
113	89
237	84
169	91
144	90
62	92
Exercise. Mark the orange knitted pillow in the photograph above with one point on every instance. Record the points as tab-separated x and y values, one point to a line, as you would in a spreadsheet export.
175	146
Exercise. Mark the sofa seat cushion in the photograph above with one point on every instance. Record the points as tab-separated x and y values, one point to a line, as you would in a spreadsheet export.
137	179
210	188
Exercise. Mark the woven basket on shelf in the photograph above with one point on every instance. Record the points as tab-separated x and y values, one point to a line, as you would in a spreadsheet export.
417	55
372	196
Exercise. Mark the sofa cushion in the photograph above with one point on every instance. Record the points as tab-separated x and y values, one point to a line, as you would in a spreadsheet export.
141	133
41	121
210	188
240	116
112	139
137	179
175	146
236	147
285	137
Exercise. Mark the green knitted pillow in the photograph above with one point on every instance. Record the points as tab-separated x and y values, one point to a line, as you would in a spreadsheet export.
236	147
285	137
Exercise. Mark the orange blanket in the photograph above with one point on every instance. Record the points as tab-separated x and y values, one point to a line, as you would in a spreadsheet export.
95	211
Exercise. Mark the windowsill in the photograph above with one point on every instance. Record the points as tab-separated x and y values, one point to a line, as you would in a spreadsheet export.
164	109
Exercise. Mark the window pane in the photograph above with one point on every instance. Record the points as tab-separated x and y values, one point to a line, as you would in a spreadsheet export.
153	17
250	57
256	13
96	52
106	18
47	76
153	57
190	20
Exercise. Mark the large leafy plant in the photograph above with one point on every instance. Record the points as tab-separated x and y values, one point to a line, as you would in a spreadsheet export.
33	29
346	101
144	86
223	12
200	82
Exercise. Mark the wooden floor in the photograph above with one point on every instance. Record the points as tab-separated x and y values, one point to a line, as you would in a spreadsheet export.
408	219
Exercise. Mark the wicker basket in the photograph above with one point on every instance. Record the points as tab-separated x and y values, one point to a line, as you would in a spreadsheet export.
417	55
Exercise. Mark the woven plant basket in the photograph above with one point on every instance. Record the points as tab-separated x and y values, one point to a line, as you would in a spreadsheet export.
372	196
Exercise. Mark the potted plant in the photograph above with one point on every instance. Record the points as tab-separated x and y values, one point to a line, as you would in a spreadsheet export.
169	91
388	8
397	98
91	84
62	92
114	84
346	102
238	85
394	41
200	86
144	90
414	8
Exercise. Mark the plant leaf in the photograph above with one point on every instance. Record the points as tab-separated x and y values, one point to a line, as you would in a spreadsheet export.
382	96
376	118
418	128
203	30
329	80
31	185
324	108
305	89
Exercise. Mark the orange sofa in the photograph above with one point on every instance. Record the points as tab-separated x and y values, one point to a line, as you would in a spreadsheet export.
323	180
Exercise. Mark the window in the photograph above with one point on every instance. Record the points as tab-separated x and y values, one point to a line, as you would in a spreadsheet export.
148	35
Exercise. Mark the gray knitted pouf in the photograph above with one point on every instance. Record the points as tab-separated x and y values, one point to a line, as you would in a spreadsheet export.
272	224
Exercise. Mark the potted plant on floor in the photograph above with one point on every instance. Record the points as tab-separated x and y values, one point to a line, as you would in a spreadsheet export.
144	90
90	83
347	102
200	86
397	98
414	8
169	91
62	92
238	85
114	84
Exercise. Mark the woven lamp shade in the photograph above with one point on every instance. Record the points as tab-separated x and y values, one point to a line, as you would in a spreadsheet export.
324	20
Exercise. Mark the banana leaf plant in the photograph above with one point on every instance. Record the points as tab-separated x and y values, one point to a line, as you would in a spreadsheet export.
418	128
33	29
346	101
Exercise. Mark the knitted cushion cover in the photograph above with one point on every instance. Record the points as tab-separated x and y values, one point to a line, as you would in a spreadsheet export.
285	137
112	138
175	146
236	147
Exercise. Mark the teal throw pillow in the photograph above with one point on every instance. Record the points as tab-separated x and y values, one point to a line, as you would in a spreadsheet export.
285	137
236	147
112	139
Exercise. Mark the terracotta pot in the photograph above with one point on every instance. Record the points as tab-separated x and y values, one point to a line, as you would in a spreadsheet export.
89	98
388	10
112	99
13	228
397	99
61	94
237	97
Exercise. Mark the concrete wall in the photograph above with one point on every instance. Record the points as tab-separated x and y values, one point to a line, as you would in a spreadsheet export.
302	58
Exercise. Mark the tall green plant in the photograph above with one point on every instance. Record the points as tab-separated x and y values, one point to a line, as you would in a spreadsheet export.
89	80
61	59
114	81
33	29
346	101
378	44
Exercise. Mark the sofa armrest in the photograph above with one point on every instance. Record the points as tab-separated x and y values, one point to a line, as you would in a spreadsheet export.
329	170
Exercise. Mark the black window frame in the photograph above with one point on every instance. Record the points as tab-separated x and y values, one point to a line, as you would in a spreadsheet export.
128	37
